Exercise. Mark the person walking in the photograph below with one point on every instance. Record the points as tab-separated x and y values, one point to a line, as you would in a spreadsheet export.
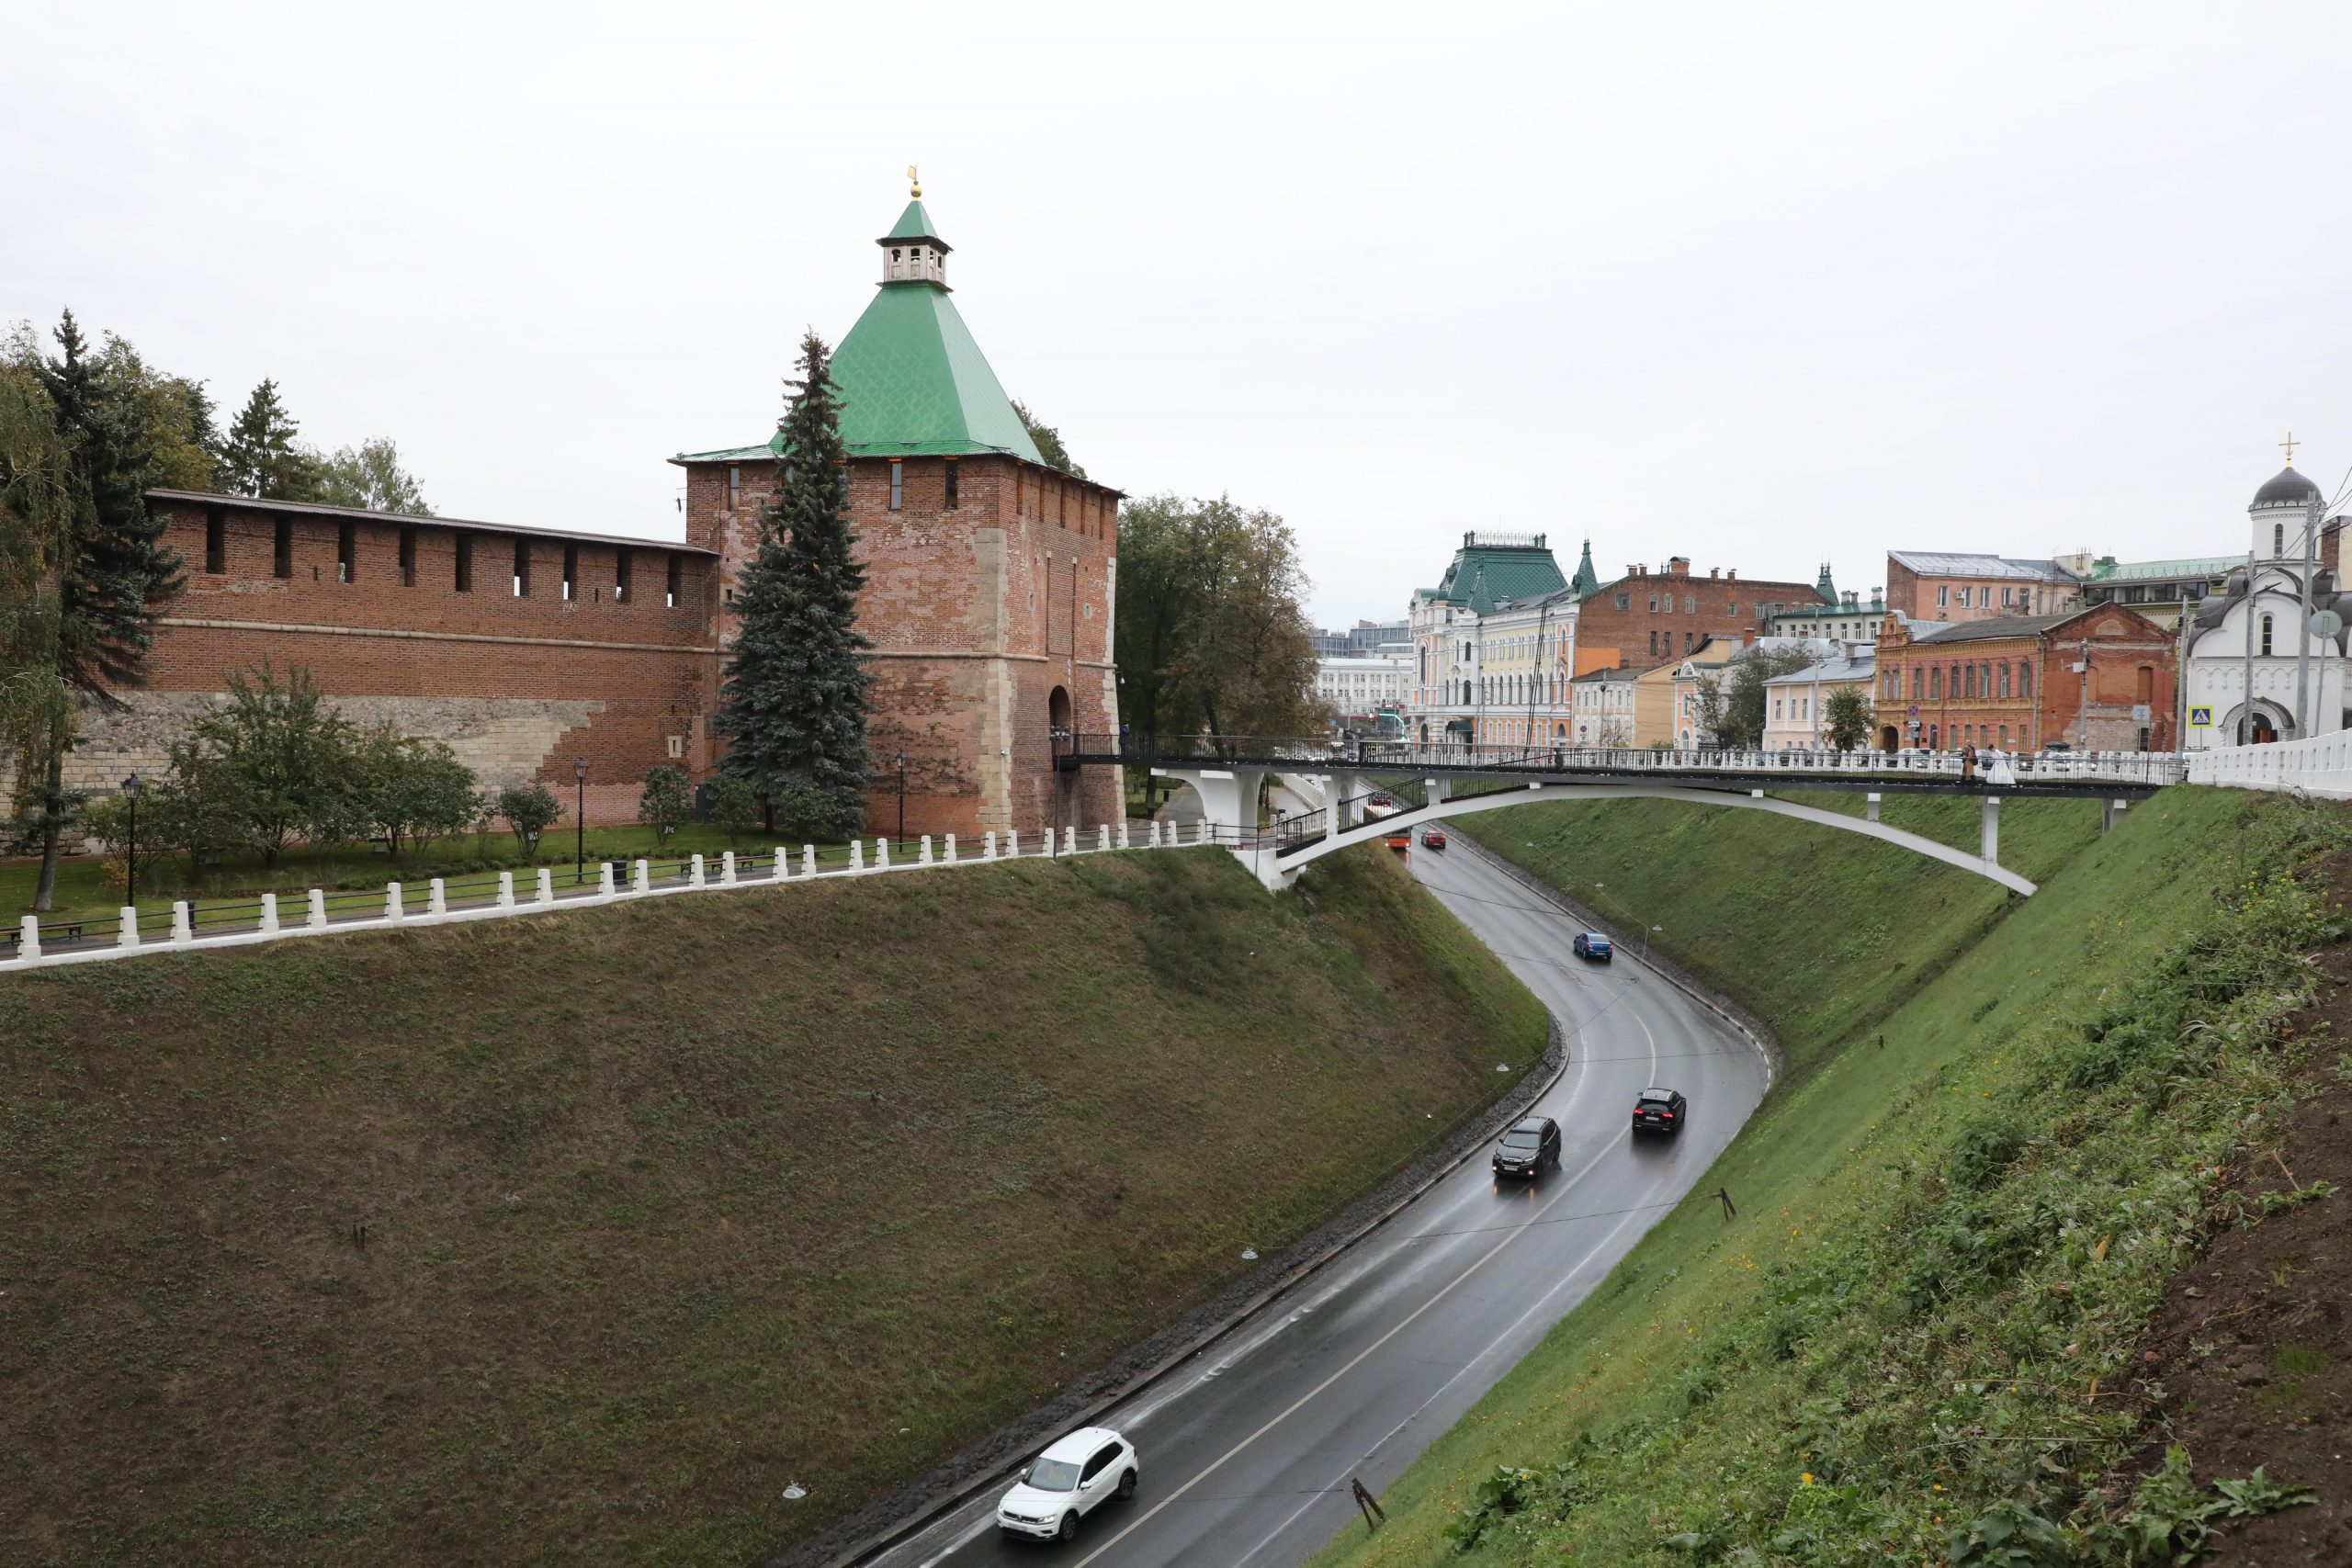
1968	762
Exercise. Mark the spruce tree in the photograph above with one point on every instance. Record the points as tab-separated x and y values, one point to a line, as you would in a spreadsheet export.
262	458
793	702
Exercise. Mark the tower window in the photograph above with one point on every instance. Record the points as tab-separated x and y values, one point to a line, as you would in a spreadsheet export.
671	590
952	494
346	552
898	485
734	488
408	558
621	565
465	563
570	570
215	541
522	568
282	562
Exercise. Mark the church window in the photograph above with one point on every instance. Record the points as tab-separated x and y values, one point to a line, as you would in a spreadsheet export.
2278	538
898	485
346	552
215	541
571	571
408	558
675	586
2266	637
282	561
522	568
465	563
952	492
622	567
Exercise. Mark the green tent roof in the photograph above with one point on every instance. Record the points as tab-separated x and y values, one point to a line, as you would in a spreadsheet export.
1483	576
914	223
1586	581
912	382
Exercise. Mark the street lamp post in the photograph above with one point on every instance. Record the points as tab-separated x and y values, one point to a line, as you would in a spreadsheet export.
902	797
580	821
132	788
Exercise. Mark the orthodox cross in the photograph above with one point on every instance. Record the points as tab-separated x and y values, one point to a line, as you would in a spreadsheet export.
2290	444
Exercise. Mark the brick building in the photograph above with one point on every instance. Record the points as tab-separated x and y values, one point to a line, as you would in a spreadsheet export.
2017	683
988	597
1950	585
1652	616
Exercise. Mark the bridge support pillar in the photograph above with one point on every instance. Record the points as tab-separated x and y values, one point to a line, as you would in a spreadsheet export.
2110	812
1989	833
1230	816
1435	790
1869	807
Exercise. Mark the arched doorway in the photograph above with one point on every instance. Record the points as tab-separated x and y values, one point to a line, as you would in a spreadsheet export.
1887	740
1063	742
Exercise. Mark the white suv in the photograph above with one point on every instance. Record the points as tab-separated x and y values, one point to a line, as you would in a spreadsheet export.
1070	1480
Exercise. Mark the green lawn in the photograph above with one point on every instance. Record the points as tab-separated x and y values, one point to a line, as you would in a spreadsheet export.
1945	1246
671	1204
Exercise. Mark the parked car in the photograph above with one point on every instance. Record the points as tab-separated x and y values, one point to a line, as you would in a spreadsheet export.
1432	839
1527	1147
1068	1482
1660	1111
1593	945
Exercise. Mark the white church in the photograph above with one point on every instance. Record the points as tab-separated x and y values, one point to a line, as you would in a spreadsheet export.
2245	641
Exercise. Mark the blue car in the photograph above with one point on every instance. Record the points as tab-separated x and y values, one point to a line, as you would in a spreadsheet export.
1593	945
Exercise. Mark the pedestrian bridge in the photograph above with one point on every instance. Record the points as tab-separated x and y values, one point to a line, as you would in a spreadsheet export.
1434	782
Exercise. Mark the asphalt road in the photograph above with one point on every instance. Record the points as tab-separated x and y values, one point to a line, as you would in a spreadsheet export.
1248	1449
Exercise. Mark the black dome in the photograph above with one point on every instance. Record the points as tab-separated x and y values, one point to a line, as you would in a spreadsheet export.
2288	489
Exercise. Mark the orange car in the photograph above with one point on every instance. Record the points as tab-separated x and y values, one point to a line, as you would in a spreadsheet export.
1400	842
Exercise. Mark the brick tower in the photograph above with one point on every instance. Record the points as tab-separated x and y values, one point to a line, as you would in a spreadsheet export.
990	580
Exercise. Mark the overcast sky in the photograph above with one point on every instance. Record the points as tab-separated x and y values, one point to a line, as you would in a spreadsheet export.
1696	280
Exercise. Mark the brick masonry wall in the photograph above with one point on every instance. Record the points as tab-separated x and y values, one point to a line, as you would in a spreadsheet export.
1704	606
2123	646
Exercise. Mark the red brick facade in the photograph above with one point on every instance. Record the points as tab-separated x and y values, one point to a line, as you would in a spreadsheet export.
1651	616
2016	688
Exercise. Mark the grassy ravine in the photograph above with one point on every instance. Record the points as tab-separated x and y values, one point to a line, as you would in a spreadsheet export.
671	1205
1913	1343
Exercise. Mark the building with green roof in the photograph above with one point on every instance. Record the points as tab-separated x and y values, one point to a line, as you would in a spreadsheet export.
1456	694
990	573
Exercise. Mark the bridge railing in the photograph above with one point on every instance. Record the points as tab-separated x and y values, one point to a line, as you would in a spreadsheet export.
1310	753
2317	765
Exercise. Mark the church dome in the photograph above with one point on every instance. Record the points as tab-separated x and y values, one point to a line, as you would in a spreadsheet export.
2288	489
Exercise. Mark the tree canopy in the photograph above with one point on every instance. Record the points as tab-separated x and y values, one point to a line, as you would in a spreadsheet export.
1050	442
1212	631
1731	706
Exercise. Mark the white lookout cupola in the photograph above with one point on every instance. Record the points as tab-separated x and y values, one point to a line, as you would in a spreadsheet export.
911	251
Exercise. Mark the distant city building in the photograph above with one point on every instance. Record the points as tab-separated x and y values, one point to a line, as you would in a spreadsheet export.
2099	680
1357	688
1793	702
1712	660
1941	585
2243	643
1848	620
1600	703
1363	640
1513	579
1652	616
2164	591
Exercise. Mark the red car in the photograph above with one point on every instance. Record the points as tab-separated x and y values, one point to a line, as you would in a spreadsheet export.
1433	839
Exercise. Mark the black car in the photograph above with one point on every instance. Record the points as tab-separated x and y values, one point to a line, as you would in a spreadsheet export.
1527	1148
1593	945
1660	1110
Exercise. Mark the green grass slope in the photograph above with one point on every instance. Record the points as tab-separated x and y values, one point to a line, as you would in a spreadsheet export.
669	1205
1915	1343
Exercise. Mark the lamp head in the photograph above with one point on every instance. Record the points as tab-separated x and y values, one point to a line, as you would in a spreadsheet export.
580	768
134	787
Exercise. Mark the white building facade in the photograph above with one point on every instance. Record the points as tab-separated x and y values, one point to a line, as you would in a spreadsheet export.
1357	688
1793	703
1600	708
2255	672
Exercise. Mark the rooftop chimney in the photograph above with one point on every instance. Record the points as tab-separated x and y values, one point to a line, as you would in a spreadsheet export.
1748	638
1714	574
1678	565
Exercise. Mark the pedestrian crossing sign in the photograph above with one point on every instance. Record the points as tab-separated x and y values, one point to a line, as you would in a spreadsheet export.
2200	718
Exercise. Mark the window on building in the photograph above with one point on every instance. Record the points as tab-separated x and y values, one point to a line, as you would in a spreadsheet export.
2025	680
1624	600
282	555
734	487
675	586
1686	642
1690	603
215	541
1731	607
2147	686
346	552
1935	683
622	567
1919	678
1943	595
2279	538
408	558
1968	682
2266	637
1653	642
2007	597
898	485
571	571
952	494
465	563
2005	679
1963	598
1653	603
522	568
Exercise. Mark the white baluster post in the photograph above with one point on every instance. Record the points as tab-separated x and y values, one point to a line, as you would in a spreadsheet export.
29	936
604	888
857	854
393	909
129	935
436	896
641	876
268	915
318	911
808	860
182	927
727	869
924	857
505	890
988	844
695	872
881	854
547	885
950	849
1102	837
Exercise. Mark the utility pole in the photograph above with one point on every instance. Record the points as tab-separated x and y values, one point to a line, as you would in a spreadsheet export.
2246	712
2083	701
2303	620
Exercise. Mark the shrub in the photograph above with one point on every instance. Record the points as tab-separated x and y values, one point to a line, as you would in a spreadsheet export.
530	809
664	803
732	805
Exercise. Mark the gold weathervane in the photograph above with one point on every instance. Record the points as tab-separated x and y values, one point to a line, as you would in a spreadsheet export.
2290	444
917	192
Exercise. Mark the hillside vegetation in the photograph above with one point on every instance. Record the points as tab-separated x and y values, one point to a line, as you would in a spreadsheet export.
1919	1340
580	1238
